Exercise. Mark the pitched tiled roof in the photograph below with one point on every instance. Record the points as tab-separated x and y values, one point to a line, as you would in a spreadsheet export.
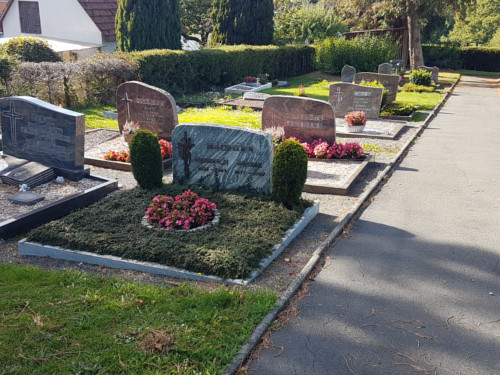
102	12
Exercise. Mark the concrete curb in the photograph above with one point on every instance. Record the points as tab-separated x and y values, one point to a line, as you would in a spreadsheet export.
262	327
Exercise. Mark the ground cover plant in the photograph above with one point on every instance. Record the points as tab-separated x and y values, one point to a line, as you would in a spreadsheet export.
231	250
75	323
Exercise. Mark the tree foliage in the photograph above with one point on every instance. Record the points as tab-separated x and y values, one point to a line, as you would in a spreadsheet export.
148	24
242	22
478	25
195	17
300	23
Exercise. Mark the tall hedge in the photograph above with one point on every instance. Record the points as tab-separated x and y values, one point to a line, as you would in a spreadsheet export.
242	22
148	24
473	58
192	71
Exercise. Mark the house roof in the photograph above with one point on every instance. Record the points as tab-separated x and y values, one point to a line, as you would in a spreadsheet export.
102	12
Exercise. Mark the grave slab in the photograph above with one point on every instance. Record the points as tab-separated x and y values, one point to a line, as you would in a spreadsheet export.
31	174
228	157
151	108
26	198
348	97
304	118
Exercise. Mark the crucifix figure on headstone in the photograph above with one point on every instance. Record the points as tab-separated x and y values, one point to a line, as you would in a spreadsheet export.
13	116
127	101
185	146
338	97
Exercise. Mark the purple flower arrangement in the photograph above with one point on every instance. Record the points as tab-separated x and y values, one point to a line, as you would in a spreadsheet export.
185	211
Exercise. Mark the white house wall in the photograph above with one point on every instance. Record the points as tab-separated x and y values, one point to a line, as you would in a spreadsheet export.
60	19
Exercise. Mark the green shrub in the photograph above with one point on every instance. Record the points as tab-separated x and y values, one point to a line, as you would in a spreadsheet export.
398	109
474	58
146	160
289	172
420	77
28	48
364	53
411	87
192	71
385	93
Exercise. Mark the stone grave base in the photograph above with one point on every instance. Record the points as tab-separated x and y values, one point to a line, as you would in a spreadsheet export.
333	176
378	129
55	210
103	140
37	249
239	102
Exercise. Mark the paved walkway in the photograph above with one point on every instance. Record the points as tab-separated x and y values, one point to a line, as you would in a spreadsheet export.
415	288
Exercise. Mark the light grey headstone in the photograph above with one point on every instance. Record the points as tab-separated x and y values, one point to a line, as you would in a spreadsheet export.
304	118
389	81
42	132
222	156
347	73
385	68
434	72
348	97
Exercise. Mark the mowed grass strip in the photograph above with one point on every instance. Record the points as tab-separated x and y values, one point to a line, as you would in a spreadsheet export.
73	323
224	115
249	227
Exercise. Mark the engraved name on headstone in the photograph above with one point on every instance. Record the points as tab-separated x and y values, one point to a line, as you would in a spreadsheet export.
347	73
385	68
304	118
151	108
42	132
224	156
390	82
348	97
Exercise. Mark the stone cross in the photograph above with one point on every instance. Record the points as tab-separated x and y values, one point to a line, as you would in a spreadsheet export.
185	145
13	116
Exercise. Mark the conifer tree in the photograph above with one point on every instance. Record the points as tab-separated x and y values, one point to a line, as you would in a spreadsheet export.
242	22
148	24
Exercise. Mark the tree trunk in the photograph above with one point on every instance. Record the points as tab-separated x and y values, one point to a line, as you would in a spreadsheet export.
415	39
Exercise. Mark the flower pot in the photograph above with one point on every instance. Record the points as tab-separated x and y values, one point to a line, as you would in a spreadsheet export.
355	128
127	137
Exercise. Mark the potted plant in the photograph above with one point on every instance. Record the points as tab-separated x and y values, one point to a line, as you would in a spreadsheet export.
355	121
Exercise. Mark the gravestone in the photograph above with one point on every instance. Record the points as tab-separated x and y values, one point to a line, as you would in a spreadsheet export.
222	156
151	108
398	65
42	132
26	198
304	118
385	68
348	97
347	73
390	82
252	95
31	174
434	72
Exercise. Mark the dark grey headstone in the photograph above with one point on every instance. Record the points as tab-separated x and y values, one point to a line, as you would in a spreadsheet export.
26	198
347	73
42	132
385	68
389	81
304	118
398	65
8	163
31	174
152	108
348	97
227	157
434	72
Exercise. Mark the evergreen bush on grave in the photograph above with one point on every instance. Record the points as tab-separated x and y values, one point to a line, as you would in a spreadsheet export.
146	160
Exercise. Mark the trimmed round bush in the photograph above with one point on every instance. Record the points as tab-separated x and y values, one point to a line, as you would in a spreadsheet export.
421	77
146	160
289	172
31	49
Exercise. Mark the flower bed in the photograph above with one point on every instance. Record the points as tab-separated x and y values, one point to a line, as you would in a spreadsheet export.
322	150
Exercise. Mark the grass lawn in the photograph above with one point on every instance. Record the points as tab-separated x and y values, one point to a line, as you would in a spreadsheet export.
231	250
315	87
74	323
93	116
245	117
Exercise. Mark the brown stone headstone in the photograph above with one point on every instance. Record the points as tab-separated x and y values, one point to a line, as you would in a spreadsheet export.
304	118
348	97
390	82
151	108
